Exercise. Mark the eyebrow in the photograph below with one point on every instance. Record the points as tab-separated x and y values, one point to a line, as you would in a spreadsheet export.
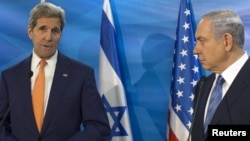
200	38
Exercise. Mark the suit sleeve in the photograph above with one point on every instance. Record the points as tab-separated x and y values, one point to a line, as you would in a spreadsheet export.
5	129
94	115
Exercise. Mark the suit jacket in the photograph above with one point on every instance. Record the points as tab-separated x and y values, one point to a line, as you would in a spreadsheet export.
232	110
73	100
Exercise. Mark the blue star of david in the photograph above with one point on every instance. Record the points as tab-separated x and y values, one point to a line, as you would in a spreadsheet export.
117	128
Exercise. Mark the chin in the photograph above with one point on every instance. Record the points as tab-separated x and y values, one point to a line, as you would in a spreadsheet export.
47	55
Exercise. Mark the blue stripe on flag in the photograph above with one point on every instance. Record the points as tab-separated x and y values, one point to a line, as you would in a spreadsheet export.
108	43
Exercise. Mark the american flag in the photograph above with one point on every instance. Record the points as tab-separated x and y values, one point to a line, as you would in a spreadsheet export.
110	84
185	75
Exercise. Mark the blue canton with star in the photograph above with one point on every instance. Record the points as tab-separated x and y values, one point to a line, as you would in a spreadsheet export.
116	113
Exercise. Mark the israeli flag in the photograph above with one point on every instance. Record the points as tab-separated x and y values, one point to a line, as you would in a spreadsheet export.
110	85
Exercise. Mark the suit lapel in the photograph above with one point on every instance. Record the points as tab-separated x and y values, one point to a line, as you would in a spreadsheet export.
206	90
61	76
200	107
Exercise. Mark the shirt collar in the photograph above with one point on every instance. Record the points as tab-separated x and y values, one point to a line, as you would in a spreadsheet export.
230	73
50	62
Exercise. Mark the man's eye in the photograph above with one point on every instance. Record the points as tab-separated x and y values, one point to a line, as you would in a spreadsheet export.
201	40
56	31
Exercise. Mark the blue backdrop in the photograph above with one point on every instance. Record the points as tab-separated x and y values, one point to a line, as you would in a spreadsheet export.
146	30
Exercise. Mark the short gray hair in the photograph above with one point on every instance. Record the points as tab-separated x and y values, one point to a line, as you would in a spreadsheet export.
46	9
226	21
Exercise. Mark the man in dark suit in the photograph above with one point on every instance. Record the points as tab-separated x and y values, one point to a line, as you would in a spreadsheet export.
220	42
73	110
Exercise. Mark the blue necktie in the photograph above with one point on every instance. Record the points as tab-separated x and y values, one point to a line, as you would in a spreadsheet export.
215	99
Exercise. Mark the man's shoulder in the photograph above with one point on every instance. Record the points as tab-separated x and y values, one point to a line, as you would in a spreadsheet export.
73	62
20	68
20	64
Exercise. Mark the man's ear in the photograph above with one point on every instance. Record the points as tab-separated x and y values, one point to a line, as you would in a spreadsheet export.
29	31
228	41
